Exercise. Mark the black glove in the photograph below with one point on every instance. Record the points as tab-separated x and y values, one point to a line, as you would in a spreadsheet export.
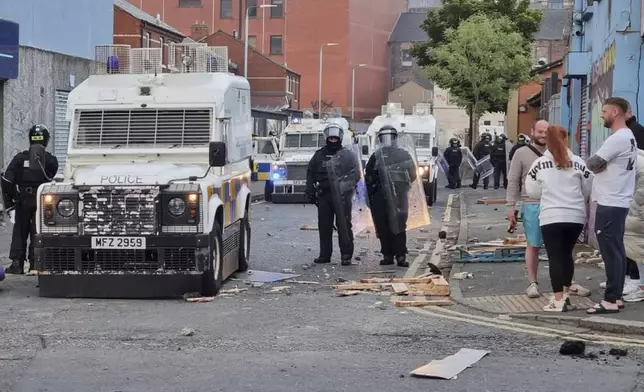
312	198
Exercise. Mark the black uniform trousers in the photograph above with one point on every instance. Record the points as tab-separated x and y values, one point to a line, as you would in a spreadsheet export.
500	167
326	215
390	244
475	180
25	227
454	176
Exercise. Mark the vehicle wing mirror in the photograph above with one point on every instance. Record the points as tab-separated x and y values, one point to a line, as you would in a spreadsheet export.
365	150
217	154
434	151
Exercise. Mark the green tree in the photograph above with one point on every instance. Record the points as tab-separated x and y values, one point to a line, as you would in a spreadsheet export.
479	63
524	20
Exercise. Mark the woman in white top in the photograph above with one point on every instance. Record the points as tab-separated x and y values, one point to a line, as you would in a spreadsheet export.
563	183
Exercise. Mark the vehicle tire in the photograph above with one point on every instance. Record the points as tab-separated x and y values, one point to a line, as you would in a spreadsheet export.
212	279
244	243
430	193
268	191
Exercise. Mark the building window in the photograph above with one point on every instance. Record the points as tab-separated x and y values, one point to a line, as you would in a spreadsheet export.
189	3
406	60
501	123
289	84
252	41
226	9
555	4
487	122
276	44
278	10
252	8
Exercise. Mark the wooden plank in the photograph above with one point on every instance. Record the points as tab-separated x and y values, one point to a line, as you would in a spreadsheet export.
427	302
360	286
381	272
399	288
425	279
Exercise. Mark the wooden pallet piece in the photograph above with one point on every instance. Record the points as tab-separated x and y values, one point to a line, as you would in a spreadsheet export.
425	279
399	288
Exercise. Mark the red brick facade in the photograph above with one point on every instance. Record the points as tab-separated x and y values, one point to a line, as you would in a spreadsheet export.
128	30
360	27
269	81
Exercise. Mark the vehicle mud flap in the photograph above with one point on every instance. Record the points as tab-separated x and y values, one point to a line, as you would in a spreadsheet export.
244	243
268	190
212	278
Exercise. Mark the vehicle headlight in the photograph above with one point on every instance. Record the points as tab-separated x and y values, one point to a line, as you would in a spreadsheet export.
176	206
421	170
278	171
66	208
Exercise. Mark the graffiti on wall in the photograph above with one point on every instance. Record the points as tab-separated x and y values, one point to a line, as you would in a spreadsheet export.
601	87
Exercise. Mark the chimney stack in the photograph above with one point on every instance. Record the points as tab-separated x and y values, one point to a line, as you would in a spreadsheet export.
198	30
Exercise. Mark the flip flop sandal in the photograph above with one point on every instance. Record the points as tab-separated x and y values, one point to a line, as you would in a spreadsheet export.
600	309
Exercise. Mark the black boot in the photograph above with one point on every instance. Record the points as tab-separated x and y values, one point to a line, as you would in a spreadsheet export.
345	259
322	260
387	260
472	186
402	261
16	268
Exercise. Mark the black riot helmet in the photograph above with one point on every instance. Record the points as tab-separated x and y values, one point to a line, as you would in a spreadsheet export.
39	134
454	142
487	137
333	131
387	136
521	139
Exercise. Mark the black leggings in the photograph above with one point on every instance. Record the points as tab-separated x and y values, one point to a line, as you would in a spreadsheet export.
560	240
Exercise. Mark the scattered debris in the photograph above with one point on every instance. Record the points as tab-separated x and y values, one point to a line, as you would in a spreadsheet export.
287	271
236	290
187	332
449	367
200	299
309	228
302	281
341	280
347	293
462	276
423	302
488	227
399	288
327	276
442	234
380	305
488	202
306	267
256	284
267	277
380	272
434	269
572	347
424	230
281	289
357	258
618	352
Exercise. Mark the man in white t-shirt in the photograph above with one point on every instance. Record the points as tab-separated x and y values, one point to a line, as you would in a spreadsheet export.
614	167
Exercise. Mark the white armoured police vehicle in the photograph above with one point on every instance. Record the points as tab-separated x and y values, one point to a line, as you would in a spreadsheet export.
155	200
298	143
422	127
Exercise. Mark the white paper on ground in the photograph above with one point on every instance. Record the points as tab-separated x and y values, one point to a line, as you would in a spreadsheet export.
451	366
12	216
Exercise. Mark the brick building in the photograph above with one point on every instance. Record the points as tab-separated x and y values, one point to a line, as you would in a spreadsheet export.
552	40
292	34
138	29
535	98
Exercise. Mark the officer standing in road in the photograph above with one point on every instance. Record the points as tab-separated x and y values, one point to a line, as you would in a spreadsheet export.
321	191
499	161
454	157
481	150
521	142
389	174
20	182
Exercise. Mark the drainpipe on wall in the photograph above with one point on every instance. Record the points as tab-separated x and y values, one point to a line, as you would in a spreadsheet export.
577	40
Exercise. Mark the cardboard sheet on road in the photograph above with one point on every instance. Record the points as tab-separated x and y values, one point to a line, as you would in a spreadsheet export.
266	277
451	366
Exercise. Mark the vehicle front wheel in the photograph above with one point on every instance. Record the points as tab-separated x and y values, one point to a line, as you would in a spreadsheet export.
430	192
212	278
244	243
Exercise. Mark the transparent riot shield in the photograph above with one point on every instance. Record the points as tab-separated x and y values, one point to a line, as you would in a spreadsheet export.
348	191
442	163
402	186
508	148
484	167
469	157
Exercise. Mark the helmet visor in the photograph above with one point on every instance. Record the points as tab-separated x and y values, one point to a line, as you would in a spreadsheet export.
333	131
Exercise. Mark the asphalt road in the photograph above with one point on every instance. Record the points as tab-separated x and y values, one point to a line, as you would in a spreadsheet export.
309	340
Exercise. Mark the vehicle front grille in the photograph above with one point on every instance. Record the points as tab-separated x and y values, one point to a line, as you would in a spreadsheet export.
296	171
119	211
125	260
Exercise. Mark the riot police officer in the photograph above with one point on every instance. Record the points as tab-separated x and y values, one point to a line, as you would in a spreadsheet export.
498	158
389	174
454	157
482	149
521	142
20	182
329	166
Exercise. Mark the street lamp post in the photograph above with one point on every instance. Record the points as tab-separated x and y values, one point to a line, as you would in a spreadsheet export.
353	92
320	78
246	34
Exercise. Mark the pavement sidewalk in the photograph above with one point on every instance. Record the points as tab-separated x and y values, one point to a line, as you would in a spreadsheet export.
499	288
